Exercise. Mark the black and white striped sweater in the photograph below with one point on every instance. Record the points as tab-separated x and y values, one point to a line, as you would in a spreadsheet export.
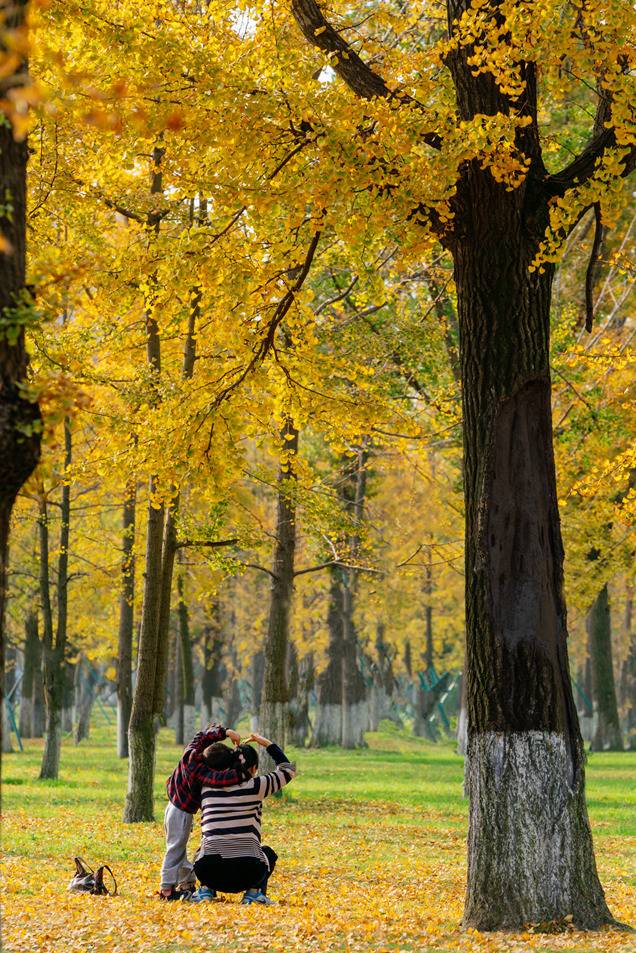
231	816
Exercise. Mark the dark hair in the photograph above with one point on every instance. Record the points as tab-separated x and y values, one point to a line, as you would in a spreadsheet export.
220	757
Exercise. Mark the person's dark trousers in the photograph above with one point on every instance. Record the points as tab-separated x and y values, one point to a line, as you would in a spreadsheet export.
237	874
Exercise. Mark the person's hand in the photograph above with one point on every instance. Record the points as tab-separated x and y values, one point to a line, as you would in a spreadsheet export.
233	736
259	740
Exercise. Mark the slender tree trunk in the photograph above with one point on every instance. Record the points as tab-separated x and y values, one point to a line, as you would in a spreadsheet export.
126	620
187	668
19	417
607	736
301	683
257	670
39	713
53	651
530	856
383	688
329	684
85	691
9	685
355	711
68	703
274	701
142	727
628	676
428	589
32	659
212	686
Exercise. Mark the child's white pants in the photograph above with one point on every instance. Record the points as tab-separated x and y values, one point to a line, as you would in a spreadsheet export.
176	866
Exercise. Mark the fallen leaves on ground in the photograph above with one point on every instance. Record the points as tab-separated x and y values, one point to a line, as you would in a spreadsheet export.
378	878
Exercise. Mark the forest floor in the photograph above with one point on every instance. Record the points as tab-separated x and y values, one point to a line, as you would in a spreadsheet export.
371	846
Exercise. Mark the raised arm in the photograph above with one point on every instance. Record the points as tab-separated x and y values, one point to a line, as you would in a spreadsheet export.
195	766
284	772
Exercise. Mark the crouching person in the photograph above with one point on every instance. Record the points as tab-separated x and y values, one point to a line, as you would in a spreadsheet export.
184	800
231	857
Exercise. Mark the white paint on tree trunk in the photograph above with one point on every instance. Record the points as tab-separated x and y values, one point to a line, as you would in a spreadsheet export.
189	719
327	725
355	721
529	842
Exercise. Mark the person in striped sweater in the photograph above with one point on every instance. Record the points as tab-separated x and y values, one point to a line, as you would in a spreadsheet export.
231	857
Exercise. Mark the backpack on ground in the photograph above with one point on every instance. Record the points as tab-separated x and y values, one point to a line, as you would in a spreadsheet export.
87	880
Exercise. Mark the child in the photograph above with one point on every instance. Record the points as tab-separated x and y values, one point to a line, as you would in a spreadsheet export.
184	800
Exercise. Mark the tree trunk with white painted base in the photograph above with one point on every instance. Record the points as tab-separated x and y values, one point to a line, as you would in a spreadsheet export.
126	619
273	714
530	855
328	717
186	664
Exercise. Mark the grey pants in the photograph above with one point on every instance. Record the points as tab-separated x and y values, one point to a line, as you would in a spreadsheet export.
176	867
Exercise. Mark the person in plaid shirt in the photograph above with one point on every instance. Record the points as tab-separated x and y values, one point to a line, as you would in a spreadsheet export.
184	800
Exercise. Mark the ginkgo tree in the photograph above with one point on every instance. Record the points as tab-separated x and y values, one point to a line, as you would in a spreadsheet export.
213	161
467	107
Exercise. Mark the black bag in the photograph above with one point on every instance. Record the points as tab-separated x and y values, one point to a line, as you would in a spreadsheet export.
87	880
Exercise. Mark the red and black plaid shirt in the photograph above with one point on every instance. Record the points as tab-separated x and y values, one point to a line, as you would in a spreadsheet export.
185	783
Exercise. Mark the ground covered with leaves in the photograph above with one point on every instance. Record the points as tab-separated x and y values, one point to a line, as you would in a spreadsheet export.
371	846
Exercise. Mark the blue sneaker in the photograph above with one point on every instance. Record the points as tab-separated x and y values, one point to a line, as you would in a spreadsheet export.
201	894
257	896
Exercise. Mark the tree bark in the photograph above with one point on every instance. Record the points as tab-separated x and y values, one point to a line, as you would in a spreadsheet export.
607	736
84	698
186	664
301	682
628	676
212	693
530	856
329	684
145	706
126	620
274	701
19	416
384	684
32	661
141	727
54	649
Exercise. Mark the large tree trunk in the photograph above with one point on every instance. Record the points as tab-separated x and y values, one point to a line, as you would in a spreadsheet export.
126	620
32	661
273	711
607	736
19	433
530	856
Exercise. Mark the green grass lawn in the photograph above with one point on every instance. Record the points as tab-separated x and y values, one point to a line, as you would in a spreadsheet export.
371	847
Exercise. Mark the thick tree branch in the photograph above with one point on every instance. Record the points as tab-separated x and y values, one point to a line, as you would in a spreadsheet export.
211	543
359	77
